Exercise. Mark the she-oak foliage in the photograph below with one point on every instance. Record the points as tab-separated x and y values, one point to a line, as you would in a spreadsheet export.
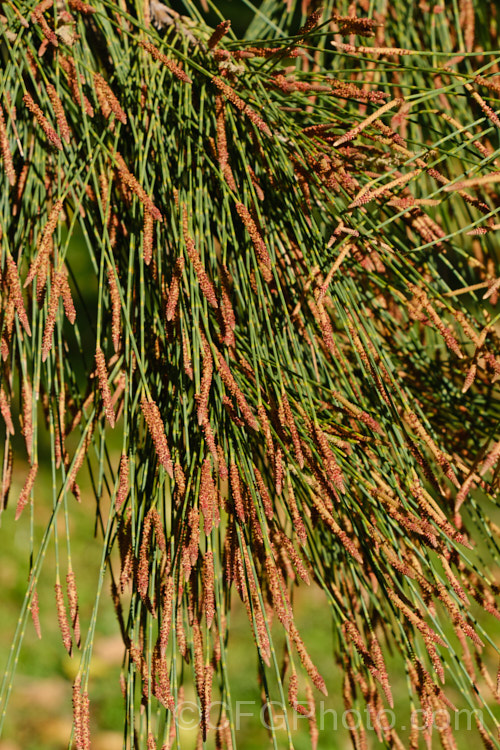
294	339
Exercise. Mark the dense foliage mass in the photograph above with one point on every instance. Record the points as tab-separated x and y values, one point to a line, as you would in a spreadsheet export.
289	324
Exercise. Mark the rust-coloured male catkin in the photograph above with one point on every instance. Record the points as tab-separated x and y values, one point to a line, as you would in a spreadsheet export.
50	321
102	376
307	663
84	722
236	491
278	592
108	102
44	245
15	292
42	121
77	712
206	285
242	106
220	30
59	113
72	594
173	67
167	603
233	388
35	613
26	490
206	699
5	151
298	523
487	110
208	497
156	429
173	292
148	237
8	460
143	567
208	587
131	182
62	619
67	298
69	66
114	296
264	494
354	132
123	474
490	460
206	381
186	357
5	412
257	241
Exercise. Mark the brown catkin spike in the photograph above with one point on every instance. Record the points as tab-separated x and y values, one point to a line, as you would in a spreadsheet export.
311	715
351	134
173	67
59	113
15	292
206	381
123	474
167	603
233	388
156	429
42	121
148	239
173	292
114	296
69	67
63	619
307	663
85	722
491	459
26	490
242	106
208	587
220	30
72	595
45	241
257	241
102	376
77	712
131	182
108	102
264	494
186	357
5	151
67	298
487	110
236	491
208	497
143	567
5	412
206	285
159	530
278	592
50	321
8	460
35	613
298	523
